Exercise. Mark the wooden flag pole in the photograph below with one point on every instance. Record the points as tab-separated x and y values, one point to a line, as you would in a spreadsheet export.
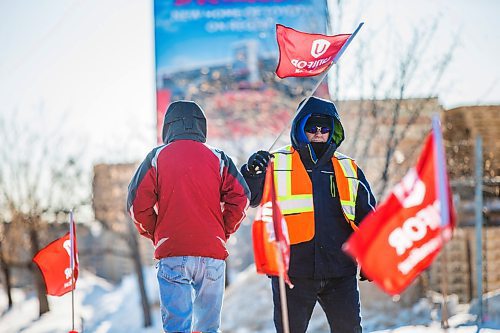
283	300
279	247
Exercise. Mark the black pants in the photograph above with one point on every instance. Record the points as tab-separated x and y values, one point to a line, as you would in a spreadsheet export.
339	298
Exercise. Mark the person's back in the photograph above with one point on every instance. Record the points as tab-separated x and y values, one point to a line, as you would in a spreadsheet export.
188	198
190	179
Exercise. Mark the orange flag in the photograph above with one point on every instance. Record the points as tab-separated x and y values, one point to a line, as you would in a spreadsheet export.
271	244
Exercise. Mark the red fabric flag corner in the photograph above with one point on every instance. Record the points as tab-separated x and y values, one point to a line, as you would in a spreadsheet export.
403	236
305	54
271	244
54	263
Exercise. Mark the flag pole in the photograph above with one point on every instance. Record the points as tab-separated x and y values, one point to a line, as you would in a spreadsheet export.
478	200
72	267
444	210
281	267
302	105
323	75
283	300
346	44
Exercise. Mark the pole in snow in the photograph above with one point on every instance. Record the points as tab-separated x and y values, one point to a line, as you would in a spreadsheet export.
72	267
444	211
479	228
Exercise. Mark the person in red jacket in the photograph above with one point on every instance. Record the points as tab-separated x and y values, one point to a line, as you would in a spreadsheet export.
188	198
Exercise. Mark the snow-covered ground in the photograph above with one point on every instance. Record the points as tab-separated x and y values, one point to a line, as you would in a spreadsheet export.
103	308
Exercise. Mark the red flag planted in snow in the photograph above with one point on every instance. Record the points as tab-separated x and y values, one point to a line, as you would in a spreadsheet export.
54	262
402	237
271	245
305	54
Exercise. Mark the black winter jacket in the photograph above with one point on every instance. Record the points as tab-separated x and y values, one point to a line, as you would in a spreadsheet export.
322	257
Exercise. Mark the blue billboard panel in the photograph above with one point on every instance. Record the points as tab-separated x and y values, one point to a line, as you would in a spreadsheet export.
208	47
194	33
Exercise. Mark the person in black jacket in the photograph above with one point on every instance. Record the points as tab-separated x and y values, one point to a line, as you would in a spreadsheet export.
323	196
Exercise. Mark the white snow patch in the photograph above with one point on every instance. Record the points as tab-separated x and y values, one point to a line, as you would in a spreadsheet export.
104	308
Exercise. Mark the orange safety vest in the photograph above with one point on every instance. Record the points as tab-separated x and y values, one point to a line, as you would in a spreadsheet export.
294	191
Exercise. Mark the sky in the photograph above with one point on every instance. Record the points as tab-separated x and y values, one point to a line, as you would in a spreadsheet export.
92	61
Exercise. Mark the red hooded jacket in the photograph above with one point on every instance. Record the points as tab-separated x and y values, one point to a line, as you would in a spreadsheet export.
186	196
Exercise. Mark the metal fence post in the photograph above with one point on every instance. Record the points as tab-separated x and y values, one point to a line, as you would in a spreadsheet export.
479	227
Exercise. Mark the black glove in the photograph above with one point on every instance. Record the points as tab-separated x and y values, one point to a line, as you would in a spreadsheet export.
362	277
257	163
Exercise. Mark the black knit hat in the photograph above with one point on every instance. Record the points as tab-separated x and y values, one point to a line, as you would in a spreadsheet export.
319	120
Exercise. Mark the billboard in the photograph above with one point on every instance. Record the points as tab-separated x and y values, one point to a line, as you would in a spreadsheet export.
206	48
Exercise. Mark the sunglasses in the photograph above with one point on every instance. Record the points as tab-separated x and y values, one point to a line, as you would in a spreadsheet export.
314	129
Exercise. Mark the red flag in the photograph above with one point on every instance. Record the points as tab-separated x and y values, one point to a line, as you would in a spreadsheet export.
304	54
402	237
54	262
271	245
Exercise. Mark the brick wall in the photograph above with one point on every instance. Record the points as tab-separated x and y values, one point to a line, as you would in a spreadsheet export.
460	258
109	189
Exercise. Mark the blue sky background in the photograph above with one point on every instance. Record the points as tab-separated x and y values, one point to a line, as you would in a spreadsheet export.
93	61
473	74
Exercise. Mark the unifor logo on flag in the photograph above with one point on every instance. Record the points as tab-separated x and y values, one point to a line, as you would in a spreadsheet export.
306	54
54	262
403	236
319	47
271	243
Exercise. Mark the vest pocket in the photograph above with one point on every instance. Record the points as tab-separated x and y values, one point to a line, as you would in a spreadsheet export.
332	187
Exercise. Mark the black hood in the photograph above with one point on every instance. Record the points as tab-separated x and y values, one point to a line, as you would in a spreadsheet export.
184	120
316	105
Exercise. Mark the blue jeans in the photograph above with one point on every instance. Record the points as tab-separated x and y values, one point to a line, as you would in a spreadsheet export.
338	297
191	291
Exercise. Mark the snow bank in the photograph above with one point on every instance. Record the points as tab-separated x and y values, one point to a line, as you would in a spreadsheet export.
103	308
100	307
248	308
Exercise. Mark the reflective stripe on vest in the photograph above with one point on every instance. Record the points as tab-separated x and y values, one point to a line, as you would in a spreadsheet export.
347	185
295	199
290	203
294	191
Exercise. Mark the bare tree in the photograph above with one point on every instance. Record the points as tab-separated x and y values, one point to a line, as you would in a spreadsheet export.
109	196
388	109
5	268
39	178
136	258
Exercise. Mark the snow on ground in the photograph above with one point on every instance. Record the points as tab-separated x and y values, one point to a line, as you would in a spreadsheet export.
248	308
103	308
99	307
